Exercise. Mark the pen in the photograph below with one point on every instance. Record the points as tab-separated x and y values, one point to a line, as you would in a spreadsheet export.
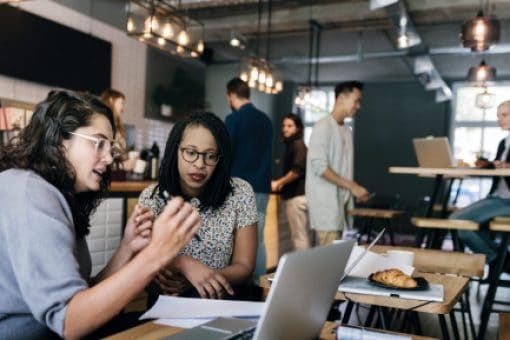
167	197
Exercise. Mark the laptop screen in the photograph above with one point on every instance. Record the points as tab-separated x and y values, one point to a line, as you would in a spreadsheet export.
433	152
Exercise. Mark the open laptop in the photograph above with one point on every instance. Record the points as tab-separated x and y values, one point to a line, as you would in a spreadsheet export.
433	152
299	300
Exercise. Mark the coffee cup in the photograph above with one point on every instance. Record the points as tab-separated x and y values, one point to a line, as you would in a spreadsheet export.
140	166
401	256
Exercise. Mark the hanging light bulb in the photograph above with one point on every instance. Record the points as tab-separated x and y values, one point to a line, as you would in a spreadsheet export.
278	86
251	83
262	76
168	31
481	73
161	42
269	80
194	54
481	32
485	100
244	76
200	46
183	38
403	41
147	26
254	73
180	49
130	25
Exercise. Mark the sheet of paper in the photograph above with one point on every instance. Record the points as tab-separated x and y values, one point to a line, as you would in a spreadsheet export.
351	333
171	307
372	262
190	323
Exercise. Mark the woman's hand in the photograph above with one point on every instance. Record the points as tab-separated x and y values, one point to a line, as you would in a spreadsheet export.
173	228
138	231
172	283
501	164
208	282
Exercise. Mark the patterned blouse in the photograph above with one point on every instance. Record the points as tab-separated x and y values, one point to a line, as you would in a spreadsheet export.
218	226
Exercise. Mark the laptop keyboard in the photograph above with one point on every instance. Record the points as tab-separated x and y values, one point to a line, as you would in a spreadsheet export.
245	335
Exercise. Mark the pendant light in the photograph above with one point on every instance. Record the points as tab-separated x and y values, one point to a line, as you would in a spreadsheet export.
482	73
481	32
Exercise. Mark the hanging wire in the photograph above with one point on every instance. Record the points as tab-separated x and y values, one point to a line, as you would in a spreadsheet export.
310	54
268	44
258	26
318	32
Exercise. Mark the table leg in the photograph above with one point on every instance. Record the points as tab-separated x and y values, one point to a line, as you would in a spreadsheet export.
455	329
444	327
347	312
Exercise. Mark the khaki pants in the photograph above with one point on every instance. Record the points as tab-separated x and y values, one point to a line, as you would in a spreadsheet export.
297	216
327	237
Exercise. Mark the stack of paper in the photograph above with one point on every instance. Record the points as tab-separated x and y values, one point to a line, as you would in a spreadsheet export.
191	312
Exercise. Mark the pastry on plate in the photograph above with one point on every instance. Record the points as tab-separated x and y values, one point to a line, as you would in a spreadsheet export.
395	278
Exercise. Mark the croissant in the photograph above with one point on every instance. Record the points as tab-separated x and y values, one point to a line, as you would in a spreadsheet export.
395	277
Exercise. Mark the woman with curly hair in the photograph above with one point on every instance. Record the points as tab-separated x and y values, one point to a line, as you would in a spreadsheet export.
52	177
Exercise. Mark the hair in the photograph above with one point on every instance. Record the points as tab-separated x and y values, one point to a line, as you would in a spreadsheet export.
297	121
238	87
38	147
108	96
506	103
348	86
219	185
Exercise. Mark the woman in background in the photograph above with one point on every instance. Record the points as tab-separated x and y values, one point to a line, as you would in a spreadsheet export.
116	101
52	177
196	165
292	184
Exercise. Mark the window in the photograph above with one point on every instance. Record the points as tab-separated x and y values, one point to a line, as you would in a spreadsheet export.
321	101
476	133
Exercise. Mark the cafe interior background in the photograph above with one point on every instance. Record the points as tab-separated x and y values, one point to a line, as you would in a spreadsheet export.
419	78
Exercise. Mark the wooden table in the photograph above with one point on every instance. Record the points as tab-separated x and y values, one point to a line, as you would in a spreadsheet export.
442	262
151	331
440	174
127	190
454	286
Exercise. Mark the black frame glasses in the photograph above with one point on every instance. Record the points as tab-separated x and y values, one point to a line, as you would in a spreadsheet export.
191	155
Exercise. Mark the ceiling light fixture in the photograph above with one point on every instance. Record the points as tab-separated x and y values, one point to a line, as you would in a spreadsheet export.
304	97
160	24
237	40
258	72
480	33
481	74
485	100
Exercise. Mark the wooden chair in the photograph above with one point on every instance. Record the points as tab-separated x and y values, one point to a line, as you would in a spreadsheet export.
434	224
500	225
504	326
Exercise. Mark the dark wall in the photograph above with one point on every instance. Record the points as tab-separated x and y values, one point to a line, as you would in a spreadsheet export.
391	115
174	82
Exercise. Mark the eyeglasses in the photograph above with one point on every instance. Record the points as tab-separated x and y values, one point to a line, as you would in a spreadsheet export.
191	155
102	146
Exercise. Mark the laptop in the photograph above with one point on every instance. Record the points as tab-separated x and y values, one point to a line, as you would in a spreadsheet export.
433	152
299	300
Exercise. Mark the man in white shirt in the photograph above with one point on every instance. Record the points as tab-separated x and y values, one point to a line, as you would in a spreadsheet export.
497	203
329	167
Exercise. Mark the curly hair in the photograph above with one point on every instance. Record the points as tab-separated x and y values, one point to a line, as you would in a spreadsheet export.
219	185
38	147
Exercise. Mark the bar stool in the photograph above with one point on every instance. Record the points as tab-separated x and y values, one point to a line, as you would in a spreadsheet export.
433	224
501	225
452	226
370	215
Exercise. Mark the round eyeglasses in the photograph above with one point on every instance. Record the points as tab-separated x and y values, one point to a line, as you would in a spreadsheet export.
191	155
102	146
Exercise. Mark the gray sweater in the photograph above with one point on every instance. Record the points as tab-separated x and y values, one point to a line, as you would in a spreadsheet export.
41	264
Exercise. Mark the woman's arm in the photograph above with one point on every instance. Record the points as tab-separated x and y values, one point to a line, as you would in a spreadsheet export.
243	256
211	283
93	307
137	235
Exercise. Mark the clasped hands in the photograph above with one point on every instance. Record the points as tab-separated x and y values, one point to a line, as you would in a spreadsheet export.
208	282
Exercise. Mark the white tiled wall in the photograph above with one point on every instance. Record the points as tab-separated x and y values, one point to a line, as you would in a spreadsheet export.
128	76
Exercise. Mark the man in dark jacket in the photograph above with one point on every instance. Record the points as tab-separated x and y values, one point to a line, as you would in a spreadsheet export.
251	134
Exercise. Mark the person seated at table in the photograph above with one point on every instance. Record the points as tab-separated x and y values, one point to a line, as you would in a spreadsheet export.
497	203
52	177
196	165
